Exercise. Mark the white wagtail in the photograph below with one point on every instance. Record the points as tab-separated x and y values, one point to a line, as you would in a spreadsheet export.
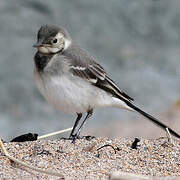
73	81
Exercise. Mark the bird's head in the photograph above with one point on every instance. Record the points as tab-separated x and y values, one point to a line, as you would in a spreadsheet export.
52	39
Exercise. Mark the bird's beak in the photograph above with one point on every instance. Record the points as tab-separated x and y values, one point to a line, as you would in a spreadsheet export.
38	44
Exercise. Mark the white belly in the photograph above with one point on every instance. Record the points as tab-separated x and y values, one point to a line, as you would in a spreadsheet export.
65	94
74	96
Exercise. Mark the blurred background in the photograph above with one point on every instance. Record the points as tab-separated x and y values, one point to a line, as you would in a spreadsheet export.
137	42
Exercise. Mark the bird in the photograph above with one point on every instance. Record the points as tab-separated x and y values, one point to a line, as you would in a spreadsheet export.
74	82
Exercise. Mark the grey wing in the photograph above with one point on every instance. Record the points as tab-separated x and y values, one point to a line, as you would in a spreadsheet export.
96	75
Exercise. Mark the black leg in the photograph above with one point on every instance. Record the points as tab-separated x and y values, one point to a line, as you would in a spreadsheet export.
89	114
75	125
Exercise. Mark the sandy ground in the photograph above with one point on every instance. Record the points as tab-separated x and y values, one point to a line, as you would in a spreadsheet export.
154	158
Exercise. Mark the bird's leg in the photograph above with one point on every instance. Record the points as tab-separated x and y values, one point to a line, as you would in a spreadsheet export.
89	114
75	125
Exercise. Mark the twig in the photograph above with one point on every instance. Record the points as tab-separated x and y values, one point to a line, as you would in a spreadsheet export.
106	145
27	165
125	175
54	133
169	136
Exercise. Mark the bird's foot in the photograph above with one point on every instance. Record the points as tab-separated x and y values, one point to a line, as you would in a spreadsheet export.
75	136
72	138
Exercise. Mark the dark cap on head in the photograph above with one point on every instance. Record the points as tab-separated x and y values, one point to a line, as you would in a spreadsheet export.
48	31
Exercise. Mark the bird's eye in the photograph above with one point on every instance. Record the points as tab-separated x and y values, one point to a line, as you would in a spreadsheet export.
55	41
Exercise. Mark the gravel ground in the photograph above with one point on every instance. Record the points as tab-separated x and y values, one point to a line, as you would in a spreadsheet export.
155	158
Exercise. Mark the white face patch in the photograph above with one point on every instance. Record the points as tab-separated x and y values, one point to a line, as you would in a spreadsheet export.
46	50
53	49
67	44
43	50
59	36
62	43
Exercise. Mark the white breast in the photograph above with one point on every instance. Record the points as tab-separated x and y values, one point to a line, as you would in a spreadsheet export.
65	94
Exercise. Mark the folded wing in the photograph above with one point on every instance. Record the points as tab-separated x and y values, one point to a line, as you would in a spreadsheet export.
96	75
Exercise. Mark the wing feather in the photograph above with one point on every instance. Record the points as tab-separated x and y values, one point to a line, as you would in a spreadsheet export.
96	75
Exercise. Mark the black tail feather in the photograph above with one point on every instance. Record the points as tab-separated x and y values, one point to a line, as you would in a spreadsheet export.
154	120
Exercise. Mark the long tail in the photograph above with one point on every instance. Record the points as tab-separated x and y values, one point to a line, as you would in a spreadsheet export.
152	119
